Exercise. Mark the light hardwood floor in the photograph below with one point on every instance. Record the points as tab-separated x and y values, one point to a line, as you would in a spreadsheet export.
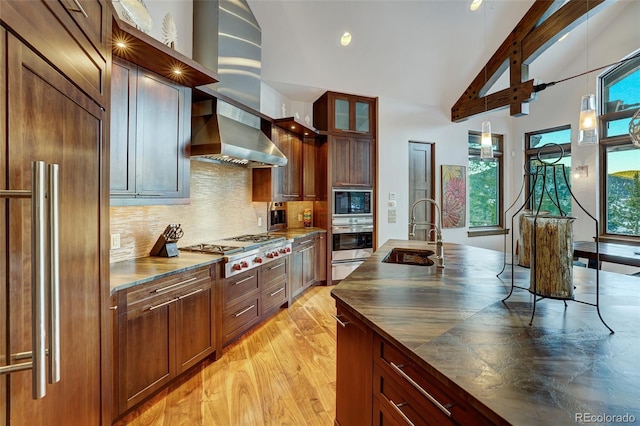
280	373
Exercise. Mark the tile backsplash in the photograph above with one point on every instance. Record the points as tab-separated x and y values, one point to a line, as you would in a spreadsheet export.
220	207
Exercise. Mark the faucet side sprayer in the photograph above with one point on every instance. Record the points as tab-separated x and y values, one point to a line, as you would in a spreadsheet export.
437	228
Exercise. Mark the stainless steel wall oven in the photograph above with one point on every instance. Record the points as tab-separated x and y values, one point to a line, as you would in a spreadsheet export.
352	242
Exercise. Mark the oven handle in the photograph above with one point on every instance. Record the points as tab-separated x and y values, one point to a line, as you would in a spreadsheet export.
351	229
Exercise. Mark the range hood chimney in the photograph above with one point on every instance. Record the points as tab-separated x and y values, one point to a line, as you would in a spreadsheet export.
223	133
228	38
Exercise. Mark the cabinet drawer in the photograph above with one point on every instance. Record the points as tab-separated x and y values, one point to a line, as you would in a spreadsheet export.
403	405
274	296
169	287
433	399
273	271
238	287
240	317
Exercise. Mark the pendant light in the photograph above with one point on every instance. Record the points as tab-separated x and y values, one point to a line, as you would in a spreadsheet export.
486	144
588	128
588	124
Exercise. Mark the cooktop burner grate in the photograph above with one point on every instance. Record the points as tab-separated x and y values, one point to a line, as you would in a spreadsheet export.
213	248
257	238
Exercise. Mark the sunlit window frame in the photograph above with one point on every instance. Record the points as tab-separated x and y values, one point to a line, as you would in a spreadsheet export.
498	154
605	143
532	153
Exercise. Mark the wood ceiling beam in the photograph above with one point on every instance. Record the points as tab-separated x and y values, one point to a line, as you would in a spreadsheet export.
538	29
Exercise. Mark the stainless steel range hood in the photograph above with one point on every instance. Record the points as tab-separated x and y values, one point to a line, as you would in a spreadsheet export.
222	133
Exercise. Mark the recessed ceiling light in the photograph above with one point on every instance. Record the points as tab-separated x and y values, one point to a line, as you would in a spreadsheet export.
563	37
475	4
345	40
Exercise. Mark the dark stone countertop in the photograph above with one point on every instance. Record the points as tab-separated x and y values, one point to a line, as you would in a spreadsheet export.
453	323
133	272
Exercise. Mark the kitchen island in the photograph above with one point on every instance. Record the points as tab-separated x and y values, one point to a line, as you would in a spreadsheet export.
480	356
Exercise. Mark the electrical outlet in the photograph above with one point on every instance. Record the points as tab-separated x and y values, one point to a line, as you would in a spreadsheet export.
299	217
392	196
115	241
259	222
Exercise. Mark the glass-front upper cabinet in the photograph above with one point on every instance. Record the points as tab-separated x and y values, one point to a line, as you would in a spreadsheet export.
342	115
340	112
363	112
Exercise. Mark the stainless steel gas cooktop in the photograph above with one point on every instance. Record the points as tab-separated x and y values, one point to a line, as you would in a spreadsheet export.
245	251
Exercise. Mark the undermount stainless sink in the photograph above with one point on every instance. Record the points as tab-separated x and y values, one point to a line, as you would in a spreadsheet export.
406	256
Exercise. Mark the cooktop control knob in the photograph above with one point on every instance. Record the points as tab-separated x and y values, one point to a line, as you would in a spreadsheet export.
244	264
270	255
236	267
257	260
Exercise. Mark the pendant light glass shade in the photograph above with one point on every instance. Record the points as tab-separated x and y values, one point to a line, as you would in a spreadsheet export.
486	144
588	127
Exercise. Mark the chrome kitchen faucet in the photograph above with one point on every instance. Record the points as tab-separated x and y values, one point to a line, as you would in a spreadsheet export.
437	228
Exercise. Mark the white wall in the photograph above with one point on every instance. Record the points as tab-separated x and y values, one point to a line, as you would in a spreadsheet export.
399	123
182	13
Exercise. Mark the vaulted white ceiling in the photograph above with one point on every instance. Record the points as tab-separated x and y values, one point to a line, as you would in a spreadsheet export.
423	51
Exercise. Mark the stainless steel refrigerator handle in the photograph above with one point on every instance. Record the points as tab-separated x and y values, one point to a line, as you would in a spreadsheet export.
54	274
38	280
44	266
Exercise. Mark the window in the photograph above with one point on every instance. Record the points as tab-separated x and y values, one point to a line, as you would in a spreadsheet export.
485	188
620	159
553	146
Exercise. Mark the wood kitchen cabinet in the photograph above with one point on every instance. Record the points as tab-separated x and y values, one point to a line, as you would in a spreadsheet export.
403	390
354	369
164	327
253	295
54	109
321	257
314	172
378	384
150	132
274	278
281	183
303	272
352	161
339	113
240	303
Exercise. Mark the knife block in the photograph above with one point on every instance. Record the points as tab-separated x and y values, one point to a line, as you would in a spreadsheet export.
164	248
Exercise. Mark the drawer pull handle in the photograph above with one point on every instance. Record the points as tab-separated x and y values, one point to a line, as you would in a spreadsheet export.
276	292
244	280
169	287
399	411
245	310
168	302
184	296
420	389
79	9
306	242
277	266
113	308
343	324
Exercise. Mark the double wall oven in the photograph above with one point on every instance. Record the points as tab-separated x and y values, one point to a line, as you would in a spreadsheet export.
352	230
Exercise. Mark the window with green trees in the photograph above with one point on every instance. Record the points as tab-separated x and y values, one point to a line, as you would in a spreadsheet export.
549	185
485	184
620	159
